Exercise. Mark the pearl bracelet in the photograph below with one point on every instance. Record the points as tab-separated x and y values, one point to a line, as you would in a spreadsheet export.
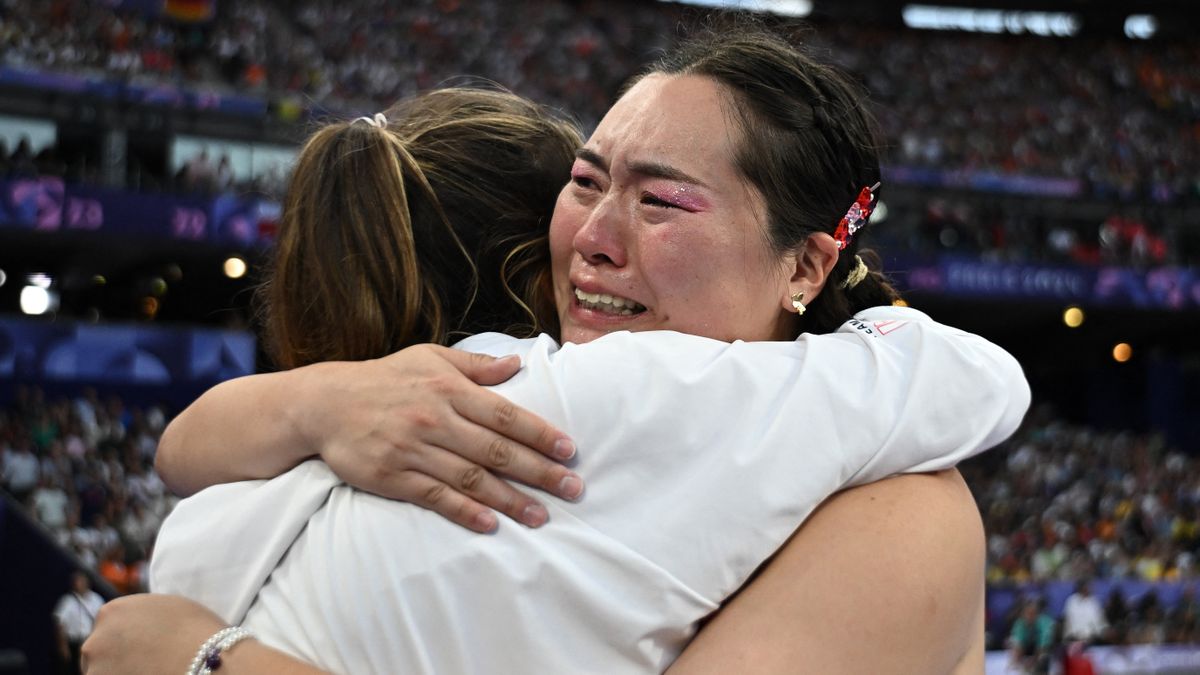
208	658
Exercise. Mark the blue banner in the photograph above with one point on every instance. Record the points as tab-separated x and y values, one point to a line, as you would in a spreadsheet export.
1174	288
161	94
984	181
130	354
49	205
1002	600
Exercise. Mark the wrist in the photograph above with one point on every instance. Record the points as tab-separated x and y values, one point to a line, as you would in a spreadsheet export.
305	389
215	650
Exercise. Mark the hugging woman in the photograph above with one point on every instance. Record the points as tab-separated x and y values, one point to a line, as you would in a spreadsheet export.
727	363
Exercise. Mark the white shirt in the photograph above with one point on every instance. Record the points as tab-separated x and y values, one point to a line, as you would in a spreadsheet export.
21	470
1083	618
51	504
77	614
700	458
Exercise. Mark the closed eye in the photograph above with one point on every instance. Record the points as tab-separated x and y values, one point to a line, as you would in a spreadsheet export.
650	200
583	182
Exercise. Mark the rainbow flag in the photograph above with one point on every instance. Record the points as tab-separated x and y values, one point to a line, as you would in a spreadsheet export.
190	11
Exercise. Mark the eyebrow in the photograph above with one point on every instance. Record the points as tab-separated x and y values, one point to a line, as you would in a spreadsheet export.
651	169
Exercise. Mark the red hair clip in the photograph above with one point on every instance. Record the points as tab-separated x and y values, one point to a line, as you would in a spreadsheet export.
855	218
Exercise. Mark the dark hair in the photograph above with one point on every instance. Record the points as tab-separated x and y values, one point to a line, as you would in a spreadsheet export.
432	224
809	145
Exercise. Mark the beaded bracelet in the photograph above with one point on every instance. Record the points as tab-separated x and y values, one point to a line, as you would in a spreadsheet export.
208	658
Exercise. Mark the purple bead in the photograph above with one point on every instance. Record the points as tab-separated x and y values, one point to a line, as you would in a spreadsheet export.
213	660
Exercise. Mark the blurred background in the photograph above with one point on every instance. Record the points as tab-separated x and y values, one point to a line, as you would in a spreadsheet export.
1041	188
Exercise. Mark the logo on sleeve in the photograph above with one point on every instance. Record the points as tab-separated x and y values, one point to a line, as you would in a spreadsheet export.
878	328
885	327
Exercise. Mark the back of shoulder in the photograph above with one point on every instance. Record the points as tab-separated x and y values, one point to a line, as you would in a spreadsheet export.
500	345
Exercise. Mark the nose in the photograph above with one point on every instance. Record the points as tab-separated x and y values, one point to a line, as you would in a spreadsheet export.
601	240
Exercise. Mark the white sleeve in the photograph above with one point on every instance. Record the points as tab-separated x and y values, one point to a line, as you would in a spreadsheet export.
685	442
960	394
219	546
890	391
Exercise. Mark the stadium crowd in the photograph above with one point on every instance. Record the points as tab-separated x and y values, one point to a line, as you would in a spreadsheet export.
1106	118
1064	503
1119	116
84	469
1129	235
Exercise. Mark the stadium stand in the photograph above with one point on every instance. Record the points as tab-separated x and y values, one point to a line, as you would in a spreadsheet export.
1017	150
1095	118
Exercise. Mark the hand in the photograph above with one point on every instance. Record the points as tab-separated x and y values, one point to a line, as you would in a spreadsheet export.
147	633
417	427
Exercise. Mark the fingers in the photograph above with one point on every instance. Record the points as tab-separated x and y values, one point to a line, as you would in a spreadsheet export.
481	368
505	453
448	501
501	416
481	452
497	413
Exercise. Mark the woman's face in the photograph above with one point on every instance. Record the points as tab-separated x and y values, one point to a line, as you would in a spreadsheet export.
658	230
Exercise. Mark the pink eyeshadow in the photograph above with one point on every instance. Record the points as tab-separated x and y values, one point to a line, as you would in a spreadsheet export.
683	195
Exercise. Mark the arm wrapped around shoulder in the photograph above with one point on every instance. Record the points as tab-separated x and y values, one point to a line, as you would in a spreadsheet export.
883	578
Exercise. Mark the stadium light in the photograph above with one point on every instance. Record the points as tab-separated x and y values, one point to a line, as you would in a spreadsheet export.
1073	317
36	300
933	17
1140	26
235	267
150	306
3	277
780	7
1122	352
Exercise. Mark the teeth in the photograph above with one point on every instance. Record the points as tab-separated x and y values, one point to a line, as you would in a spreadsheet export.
612	304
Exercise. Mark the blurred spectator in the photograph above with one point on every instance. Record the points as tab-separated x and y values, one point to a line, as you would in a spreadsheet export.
223	179
20	163
139	526
21	469
199	174
1083	617
50	503
1183	619
115	571
1031	641
1076	662
1150	627
74	617
1118	616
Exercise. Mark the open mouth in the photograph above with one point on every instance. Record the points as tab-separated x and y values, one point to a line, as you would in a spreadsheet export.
609	304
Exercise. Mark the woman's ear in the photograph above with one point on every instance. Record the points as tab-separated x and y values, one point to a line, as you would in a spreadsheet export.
813	261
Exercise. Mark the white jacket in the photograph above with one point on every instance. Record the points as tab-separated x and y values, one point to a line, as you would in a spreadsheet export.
700	458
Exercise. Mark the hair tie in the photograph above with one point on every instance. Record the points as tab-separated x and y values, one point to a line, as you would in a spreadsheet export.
855	218
379	121
856	275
